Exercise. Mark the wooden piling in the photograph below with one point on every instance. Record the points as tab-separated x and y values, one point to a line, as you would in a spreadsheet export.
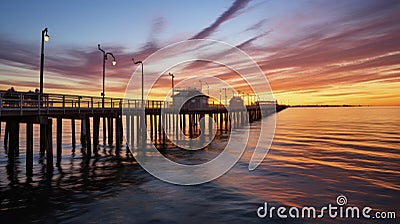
83	133
29	149
121	129
175	127
43	135
138	137
190	125
210	124
184	122
49	144
6	135
59	139
110	130
151	127
220	122
128	127
104	131
155	129
117	135
96	130
164	137
159	128
226	122
13	146
132	138
88	139
73	133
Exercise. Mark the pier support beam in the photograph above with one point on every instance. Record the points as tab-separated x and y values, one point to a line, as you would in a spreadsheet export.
13	132
59	140
226	122
151	127
191	125
121	130
49	144
160	129
96	130
220	122
132	134
128	128
104	131
83	133
117	135
138	132
155	129
29	149
164	129
6	135
43	139
73	134
110	130
88	139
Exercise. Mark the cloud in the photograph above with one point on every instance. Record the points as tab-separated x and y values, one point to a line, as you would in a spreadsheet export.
227	15
256	26
248	42
308	52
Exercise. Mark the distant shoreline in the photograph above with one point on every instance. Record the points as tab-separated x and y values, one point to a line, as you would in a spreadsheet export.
344	105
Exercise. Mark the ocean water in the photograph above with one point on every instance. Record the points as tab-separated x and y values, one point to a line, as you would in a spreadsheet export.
317	154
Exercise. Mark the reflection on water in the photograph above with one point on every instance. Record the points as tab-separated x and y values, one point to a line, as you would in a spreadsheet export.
317	154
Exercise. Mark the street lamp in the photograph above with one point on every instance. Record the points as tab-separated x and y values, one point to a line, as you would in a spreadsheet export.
208	89
142	124
45	38
104	69
172	76
226	101
137	62
220	95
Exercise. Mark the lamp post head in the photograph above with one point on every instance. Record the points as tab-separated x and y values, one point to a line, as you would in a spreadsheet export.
114	63
45	36
136	62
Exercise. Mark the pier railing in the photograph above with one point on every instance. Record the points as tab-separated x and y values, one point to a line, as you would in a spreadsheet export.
23	102
29	102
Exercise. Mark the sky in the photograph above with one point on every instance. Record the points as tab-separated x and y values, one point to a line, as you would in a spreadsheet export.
311	52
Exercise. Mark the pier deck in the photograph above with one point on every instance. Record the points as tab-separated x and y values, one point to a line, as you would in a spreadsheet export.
41	109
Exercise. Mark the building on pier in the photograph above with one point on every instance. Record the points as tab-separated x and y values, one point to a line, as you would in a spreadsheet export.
236	102
190	98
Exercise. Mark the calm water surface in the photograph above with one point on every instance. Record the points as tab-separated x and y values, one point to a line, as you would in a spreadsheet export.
317	154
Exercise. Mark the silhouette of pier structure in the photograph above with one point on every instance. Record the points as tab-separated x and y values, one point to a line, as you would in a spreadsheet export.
42	109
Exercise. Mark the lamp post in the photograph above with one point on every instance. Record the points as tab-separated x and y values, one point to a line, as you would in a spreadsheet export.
226	101
45	38
142	124
137	62
172	76
208	89
201	86
104	70
220	95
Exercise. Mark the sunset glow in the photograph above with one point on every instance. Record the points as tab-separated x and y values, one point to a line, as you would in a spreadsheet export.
322	52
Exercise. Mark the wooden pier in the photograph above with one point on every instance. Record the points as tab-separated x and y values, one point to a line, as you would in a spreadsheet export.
35	109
